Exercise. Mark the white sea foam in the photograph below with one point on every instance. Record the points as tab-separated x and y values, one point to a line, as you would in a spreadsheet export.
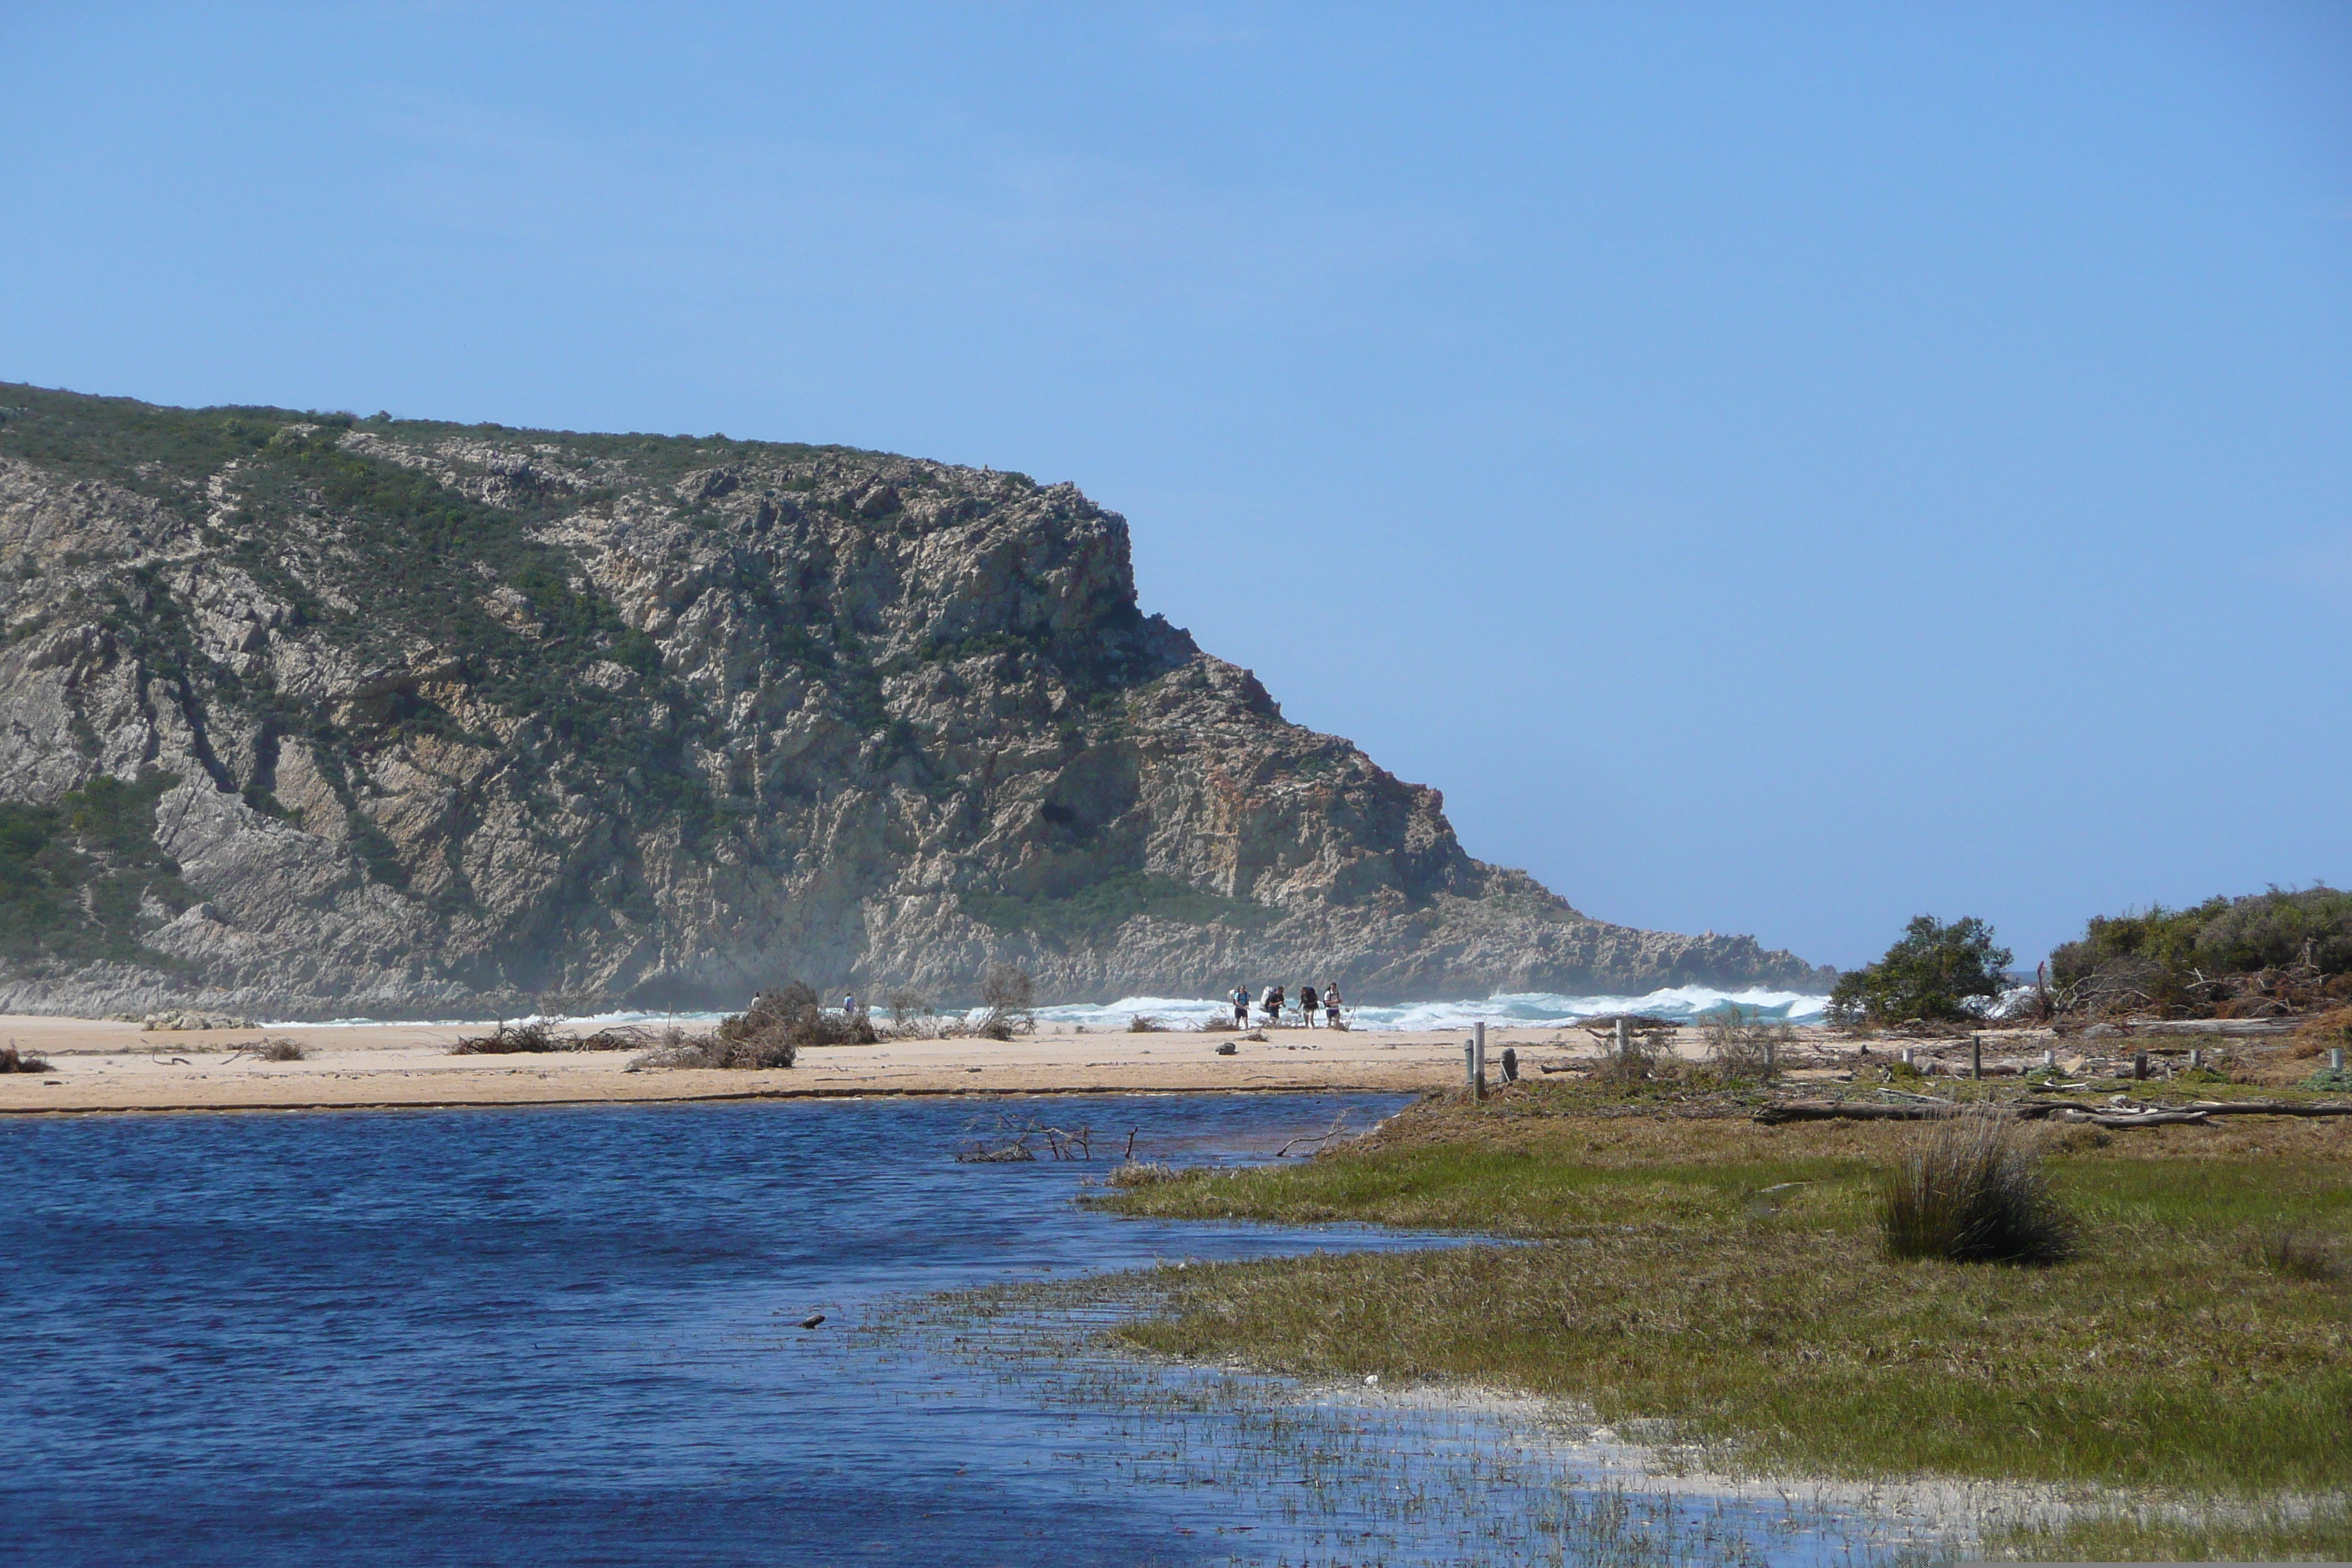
1516	1009
1520	1009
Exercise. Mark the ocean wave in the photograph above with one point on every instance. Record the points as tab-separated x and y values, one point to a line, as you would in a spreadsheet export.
1516	1009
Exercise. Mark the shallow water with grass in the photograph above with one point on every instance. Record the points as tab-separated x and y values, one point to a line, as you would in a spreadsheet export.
574	1336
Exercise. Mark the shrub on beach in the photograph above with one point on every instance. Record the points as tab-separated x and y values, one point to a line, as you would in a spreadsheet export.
509	1039
280	1051
1008	994
11	1060
1937	973
1970	1193
780	1024
1739	1046
540	1035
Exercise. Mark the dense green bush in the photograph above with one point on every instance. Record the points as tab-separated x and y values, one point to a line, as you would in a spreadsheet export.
2275	929
1937	972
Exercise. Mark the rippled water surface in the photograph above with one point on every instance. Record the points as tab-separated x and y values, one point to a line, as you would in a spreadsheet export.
568	1336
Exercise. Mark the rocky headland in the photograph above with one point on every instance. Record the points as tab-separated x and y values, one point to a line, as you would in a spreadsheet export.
310	716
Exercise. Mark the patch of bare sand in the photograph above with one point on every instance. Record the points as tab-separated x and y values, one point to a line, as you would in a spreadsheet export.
103	1065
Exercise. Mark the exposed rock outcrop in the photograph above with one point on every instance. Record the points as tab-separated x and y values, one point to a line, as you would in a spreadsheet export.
306	716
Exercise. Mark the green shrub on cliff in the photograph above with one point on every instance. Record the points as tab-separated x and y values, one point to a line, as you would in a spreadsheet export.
1107	905
76	875
1937	972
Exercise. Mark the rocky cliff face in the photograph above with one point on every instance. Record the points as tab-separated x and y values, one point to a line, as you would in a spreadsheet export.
311	716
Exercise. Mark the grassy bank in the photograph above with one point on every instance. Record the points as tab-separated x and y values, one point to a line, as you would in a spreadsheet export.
1729	1277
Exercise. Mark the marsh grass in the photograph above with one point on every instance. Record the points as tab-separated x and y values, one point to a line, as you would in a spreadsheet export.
1320	1476
2262	1534
2166	1354
1968	1191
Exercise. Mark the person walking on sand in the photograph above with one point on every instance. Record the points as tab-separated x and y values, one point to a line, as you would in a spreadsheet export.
1270	1005
1239	997
1330	1006
1306	1005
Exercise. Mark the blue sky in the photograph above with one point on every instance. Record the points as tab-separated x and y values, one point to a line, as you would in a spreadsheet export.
1776	469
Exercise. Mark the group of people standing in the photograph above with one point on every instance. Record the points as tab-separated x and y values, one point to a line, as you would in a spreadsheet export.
1273	1002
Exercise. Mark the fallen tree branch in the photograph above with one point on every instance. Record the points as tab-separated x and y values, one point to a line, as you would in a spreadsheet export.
1337	1127
1844	1111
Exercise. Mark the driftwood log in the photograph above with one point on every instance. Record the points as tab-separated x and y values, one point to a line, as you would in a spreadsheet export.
2129	1117
2102	1115
1842	1110
2195	1114
2226	1028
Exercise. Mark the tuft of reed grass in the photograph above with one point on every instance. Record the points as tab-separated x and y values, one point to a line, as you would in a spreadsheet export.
1145	1024
280	1051
1969	1191
12	1060
1142	1173
2300	1257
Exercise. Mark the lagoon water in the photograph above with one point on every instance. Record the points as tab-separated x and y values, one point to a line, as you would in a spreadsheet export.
571	1336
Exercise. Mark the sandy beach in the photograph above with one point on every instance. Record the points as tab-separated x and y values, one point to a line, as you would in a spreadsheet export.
103	1065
